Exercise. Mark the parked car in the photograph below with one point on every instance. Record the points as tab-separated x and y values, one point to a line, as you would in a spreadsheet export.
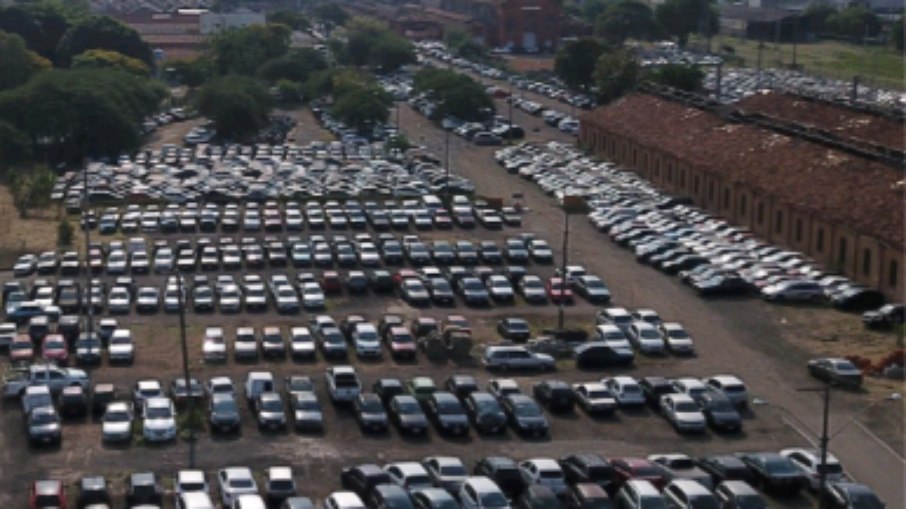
525	415
775	473
516	357
836	371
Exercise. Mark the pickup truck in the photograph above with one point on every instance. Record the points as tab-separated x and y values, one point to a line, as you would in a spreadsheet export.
54	377
343	384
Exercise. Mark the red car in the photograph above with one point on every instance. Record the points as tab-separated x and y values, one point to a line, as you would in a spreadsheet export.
331	282
637	468
557	291
442	220
46	494
457	322
403	274
21	349
400	343
54	349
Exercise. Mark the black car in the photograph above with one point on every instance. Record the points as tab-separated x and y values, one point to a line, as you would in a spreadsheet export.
884	317
362	479
525	415
93	490
144	490
504	472
441	291
725	468
381	281
556	395
537	496
461	385
600	354
485	412
857	298
387	388
848	495
407	415
514	329
839	372
73	402
775	473
88	349
370	413
653	387
587	468
43	426
389	496
447	413
719	411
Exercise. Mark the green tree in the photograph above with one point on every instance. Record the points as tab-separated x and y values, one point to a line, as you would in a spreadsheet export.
896	33
297	65
15	61
575	62
105	59
191	73
69	115
455	95
362	107
679	18
293	19
102	32
855	22
616	74
392	52
40	24
463	45
372	43
14	145
592	9
626	19
290	92
31	188
816	15
681	76
243	50
238	105
65	233
330	12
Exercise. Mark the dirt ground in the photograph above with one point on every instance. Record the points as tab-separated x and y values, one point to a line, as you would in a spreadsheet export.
529	63
766	345
34	234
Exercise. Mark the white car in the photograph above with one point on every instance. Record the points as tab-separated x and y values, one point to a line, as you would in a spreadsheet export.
117	263
646	338
808	460
301	343
172	299
220	385
190	481
676	338
482	493
120	347
693	387
613	336
343	500
595	398
234	482
286	299
163	260
546	472
214	347
793	290
194	500
682	412
119	300
366	340
731	386
116	425
312	296
159	420
410	475
500	288
626	390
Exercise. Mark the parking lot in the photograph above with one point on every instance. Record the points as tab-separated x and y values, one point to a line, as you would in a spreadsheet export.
746	338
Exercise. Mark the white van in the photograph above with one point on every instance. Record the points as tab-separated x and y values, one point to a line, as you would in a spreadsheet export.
258	382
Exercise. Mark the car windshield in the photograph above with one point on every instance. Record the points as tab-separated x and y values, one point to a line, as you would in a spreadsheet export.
41	418
649	334
750	502
686	406
307	404
225	406
158	413
119	416
408	407
493	499
403	338
272	405
598	503
527	409
779	466
372	406
241	483
453	470
54	344
449	408
678	334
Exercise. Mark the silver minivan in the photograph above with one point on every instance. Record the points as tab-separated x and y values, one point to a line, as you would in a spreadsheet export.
639	494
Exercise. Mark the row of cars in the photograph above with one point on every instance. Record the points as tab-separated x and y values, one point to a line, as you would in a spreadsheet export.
711	255
574	481
240	173
424	213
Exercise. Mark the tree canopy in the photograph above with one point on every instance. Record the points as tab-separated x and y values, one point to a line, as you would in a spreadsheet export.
617	73
102	32
575	62
679	18
41	24
455	95
293	19
362	107
371	43
626	19
238	106
854	22
681	76
330	12
244	50
105	59
72	114
463	45
17	63
296	65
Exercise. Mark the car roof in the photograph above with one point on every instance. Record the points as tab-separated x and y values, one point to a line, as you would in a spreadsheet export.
482	484
545	463
48	487
280	473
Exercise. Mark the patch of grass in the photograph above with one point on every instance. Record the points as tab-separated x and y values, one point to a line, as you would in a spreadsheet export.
878	66
32	235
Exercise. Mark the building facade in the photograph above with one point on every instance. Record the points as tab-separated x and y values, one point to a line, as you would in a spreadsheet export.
843	211
520	25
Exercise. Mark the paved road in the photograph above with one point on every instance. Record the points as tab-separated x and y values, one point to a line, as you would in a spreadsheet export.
744	336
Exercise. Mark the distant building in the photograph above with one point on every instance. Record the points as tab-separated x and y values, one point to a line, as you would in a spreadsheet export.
520	25
760	23
213	22
808	181
177	33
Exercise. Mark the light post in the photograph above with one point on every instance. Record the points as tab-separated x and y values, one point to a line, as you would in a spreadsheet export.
86	227
570	204
447	164
825	437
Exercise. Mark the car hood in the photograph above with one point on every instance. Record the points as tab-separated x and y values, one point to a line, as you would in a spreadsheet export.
160	424
116	427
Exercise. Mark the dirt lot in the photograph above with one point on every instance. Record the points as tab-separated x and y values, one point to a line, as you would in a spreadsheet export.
36	233
764	344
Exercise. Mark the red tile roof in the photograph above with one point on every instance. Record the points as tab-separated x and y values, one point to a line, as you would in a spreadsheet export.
863	195
840	120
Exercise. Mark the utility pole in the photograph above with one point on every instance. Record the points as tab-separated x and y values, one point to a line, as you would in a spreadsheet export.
510	99
86	227
563	257
190	402
823	442
760	48
447	164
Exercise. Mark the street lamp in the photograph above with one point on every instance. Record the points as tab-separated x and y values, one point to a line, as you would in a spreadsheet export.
825	437
570	204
